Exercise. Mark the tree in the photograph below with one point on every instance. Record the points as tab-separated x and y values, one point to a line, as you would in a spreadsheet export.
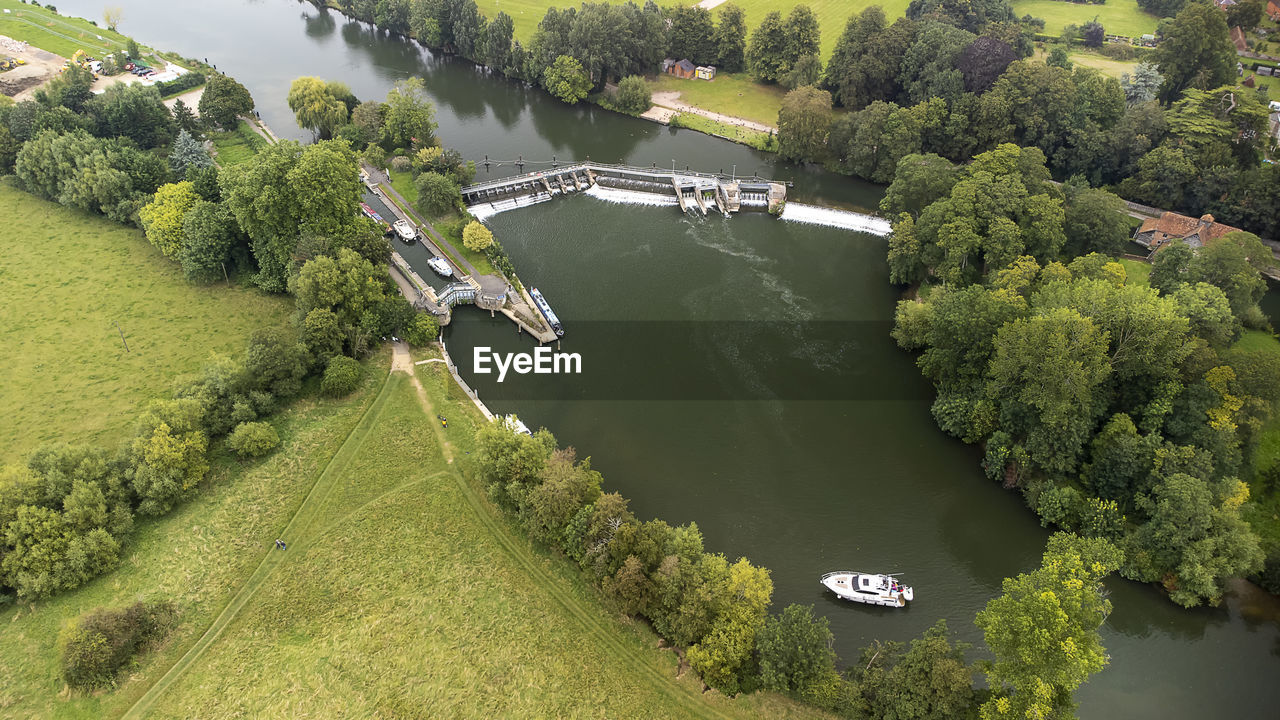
168	454
163	218
633	95
111	16
1220	123
44	555
804	36
287	191
807	70
1045	378
437	194
731	38
918	181
803	122
184	119
348	286
1094	221
1094	34
409	120
795	651
341	377
1194	540
422	331
1143	85
929	69
566	80
1043	629
767	51
1208	310
210	233
1195	52
476	237
275	362
692	34
724	652
187	153
1120	460
1245	14
223	102
315	107
496	47
132	111
253	439
1234	263
983	62
930	681
1058	58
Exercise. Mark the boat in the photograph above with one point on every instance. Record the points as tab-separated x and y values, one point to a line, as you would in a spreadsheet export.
441	266
374	216
516	425
405	230
868	588
545	309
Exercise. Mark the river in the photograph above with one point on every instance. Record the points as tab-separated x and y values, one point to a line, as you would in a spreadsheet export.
743	376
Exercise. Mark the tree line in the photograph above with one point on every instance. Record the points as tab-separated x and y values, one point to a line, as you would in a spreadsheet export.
718	611
1175	134
1120	411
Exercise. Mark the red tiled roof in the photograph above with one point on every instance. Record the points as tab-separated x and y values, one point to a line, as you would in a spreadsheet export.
1175	225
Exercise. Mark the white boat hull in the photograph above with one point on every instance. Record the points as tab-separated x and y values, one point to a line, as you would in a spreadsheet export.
867	588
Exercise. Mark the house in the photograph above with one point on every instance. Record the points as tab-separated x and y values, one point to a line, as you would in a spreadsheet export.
705	72
679	68
1273	11
1237	37
1155	232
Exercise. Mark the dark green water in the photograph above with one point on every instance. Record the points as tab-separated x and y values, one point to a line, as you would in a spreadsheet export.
776	312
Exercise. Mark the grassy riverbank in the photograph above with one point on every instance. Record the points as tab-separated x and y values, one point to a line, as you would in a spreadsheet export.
236	146
56	33
68	279
402	591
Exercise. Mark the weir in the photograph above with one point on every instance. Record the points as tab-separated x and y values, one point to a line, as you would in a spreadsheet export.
692	191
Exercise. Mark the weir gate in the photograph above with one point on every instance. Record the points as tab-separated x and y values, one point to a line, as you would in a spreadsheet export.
692	191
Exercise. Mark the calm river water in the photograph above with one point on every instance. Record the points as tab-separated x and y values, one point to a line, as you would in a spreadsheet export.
743	376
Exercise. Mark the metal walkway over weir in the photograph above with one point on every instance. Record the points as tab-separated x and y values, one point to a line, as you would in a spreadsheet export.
694	191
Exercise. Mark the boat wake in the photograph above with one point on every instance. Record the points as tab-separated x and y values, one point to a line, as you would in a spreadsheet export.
843	219
484	211
630	197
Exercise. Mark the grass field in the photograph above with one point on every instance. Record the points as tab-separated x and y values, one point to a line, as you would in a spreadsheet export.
1136	271
402	593
57	34
67	278
236	146
1108	66
737	95
1118	17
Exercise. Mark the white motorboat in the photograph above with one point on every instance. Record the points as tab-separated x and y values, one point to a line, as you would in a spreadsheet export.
441	266
405	230
868	588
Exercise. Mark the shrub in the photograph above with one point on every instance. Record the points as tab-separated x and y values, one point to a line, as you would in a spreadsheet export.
253	439
422	331
341	377
633	95
401	163
95	646
183	82
476	237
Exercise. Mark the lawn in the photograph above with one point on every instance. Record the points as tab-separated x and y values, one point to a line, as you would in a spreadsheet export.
403	183
1108	66
235	146
67	280
731	94
1137	272
57	34
746	136
1118	17
402	592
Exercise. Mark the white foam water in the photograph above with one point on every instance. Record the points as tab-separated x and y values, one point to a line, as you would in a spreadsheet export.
631	197
486	210
843	219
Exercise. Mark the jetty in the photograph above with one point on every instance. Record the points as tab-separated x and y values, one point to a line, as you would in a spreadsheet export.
694	192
